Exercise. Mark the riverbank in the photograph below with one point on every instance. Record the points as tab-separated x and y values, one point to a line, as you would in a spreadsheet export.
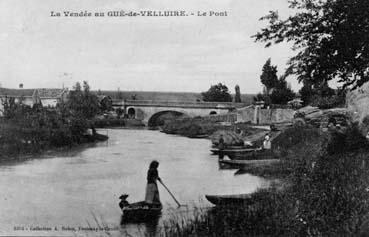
328	174
19	149
117	122
202	127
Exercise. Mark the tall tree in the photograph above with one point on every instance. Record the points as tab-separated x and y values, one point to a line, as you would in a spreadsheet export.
281	94
269	76
217	93
331	38
83	103
237	97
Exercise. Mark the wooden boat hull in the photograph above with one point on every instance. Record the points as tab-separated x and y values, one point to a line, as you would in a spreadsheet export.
232	149
243	163
252	155
221	200
215	151
199	136
140	212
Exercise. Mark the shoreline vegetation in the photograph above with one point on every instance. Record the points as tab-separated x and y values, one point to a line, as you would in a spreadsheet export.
20	139
200	127
27	130
326	192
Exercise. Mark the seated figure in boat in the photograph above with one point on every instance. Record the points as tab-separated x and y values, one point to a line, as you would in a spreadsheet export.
152	191
123	201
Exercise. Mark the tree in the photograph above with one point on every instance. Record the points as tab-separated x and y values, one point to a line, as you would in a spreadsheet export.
217	93
83	104
306	93
106	104
269	76
331	38
237	97
276	91
281	94
259	97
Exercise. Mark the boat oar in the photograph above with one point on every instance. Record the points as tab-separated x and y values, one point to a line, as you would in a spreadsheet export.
179	205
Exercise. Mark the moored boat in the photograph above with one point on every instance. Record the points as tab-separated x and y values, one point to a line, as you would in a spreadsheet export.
255	154
238	199
232	149
199	136
242	163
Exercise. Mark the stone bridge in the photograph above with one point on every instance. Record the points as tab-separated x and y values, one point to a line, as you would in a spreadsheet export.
150	111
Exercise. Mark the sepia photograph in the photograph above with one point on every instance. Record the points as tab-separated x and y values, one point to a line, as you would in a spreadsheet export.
167	118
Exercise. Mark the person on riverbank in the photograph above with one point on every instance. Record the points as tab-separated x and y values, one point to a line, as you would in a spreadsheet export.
267	144
221	146
239	132
152	191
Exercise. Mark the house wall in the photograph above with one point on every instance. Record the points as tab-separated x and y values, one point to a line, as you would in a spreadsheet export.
245	115
49	102
25	100
264	116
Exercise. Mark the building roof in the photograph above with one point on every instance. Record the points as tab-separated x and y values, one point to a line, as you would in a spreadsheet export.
41	92
50	92
16	92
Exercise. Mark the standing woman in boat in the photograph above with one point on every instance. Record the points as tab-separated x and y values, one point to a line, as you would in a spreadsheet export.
152	191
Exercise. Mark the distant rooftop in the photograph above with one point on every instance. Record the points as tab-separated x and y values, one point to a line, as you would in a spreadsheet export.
16	92
50	92
42	92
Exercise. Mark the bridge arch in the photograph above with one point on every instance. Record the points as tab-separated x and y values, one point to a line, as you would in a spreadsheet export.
131	112
213	112
158	119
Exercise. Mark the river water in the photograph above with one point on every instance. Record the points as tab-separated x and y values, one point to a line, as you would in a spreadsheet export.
80	187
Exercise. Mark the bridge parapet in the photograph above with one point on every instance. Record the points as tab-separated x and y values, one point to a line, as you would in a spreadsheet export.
185	104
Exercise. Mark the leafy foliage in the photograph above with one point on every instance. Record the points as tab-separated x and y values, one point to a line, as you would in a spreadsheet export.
276	90
106	104
269	76
281	94
217	93
82	104
31	129
331	39
259	97
323	97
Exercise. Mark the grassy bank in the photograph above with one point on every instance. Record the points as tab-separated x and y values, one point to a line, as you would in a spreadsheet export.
192	127
15	141
328	175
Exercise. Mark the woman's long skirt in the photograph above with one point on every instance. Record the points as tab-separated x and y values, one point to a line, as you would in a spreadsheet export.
152	193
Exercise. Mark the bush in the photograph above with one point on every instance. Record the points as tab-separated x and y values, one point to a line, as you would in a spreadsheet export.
328	102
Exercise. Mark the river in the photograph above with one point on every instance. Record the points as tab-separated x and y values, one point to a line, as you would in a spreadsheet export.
59	191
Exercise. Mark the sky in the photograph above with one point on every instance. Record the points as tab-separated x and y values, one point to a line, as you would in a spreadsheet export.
184	54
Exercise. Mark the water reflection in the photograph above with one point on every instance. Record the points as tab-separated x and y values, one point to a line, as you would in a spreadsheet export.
149	227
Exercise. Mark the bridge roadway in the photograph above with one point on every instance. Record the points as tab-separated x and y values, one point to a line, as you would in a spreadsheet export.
149	110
